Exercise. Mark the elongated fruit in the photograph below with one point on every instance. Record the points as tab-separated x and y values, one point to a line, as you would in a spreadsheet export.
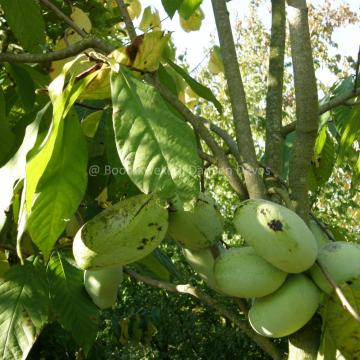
286	310
319	234
199	228
202	262
277	234
102	285
341	259
121	234
240	272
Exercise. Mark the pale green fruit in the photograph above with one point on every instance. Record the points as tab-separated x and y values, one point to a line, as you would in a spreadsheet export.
342	261
199	227
215	65
122	233
319	234
102	285
150	19
277	234
193	23
286	310
240	272
202	262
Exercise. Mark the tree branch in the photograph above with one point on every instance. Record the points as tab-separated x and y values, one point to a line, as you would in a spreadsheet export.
71	50
240	113
274	139
306	105
335	102
264	343
128	23
61	15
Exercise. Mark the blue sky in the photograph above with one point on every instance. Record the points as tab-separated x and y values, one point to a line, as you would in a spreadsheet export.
195	43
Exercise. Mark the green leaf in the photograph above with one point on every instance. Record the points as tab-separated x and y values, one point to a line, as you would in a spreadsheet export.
159	265
350	131
14	169
61	187
157	148
287	153
171	6
198	88
23	309
188	7
26	22
7	137
91	122
24	85
323	160
62	99
343	329
74	309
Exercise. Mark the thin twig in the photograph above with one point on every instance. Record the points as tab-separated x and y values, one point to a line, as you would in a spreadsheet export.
261	341
63	16
71	50
128	23
343	300
335	102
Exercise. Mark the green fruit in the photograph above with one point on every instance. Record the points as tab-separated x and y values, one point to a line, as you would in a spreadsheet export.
277	234
241	272
198	228
193	23
202	262
319	234
341	259
102	285
121	234
286	310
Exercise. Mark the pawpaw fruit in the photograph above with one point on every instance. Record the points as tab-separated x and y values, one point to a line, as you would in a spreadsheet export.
342	261
193	23
121	234
102	285
240	272
277	234
199	227
202	262
286	310
319	234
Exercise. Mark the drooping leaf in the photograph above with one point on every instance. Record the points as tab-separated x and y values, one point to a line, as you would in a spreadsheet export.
24	85
14	169
157	148
62	99
323	160
343	329
171	6
73	307
23	309
26	22
192	23
350	131
188	7
198	88
6	135
91	122
61	186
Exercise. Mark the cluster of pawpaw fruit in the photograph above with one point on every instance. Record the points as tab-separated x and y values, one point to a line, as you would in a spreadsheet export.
278	269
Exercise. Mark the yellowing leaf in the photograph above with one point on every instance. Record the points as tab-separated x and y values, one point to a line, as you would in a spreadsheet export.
150	19
190	99
99	87
81	19
216	65
193	23
134	8
71	37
